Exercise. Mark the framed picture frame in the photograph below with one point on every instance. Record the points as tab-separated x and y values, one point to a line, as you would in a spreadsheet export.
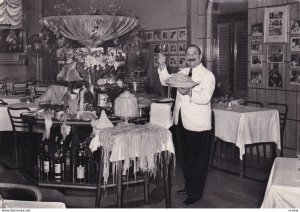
165	48
173	35
181	48
173	48
294	77
295	60
295	27
257	29
256	77
256	46
11	40
256	61
149	36
275	21
156	35
165	35
156	48
181	61
295	43
173	61
275	75
181	34
275	53
155	61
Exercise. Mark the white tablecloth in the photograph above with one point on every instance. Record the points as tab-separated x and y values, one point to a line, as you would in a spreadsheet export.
12	99
283	189
247	125
5	124
32	204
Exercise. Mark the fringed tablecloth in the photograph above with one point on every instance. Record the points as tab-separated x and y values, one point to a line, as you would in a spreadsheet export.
141	144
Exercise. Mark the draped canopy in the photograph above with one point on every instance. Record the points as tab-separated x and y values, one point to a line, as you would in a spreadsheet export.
11	12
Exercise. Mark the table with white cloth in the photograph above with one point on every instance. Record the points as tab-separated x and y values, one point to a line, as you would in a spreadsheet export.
243	125
11	99
144	145
31	204
283	189
5	124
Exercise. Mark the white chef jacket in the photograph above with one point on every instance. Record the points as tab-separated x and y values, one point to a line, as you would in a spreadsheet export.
195	110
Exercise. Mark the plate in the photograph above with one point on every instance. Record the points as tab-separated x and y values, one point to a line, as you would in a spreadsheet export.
182	85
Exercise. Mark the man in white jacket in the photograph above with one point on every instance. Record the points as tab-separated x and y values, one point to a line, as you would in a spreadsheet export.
192	114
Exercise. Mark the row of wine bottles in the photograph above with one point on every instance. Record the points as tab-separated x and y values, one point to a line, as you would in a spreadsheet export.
56	162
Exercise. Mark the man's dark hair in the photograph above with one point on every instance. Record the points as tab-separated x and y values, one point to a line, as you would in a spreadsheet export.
193	45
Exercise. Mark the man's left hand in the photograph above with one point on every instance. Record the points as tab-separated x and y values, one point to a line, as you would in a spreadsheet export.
184	91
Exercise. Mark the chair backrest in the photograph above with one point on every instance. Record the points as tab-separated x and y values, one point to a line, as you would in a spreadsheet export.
2	102
282	110
40	89
20	88
161	115
253	103
15	191
17	123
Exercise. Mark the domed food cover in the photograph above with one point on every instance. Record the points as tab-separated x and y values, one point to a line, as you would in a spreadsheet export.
90	30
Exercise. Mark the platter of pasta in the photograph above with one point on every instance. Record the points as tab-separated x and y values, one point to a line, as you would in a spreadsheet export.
180	80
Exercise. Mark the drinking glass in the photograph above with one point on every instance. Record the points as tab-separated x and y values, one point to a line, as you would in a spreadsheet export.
242	103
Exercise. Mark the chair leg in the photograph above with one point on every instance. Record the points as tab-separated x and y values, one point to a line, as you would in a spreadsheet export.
146	187
119	184
166	177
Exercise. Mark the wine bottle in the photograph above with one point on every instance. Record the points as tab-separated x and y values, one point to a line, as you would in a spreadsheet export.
68	161
45	161
80	164
58	160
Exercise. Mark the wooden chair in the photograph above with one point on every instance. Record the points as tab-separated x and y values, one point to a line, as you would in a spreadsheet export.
20	88
40	89
15	191
2	102
253	104
283	110
18	125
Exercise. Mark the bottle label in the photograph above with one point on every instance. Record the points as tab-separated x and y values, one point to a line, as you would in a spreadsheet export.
46	166
80	172
57	168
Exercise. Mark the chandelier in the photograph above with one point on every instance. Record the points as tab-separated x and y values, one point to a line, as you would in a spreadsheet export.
90	30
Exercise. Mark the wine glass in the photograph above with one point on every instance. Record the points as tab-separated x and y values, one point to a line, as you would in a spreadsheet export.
242	102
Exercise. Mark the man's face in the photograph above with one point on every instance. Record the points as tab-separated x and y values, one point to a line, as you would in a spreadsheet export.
193	58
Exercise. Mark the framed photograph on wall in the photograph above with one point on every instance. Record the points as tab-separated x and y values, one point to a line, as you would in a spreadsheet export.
275	75
165	35
275	53
11	40
295	60
295	44
173	34
165	48
256	77
149	36
181	48
294	77
256	61
256	47
173	61
156	49
276	23
173	48
257	29
181	61
156	35
295	26
181	34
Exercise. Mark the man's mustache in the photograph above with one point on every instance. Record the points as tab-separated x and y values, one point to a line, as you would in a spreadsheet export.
191	60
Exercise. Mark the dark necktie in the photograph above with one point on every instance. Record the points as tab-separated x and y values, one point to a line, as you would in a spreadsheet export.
190	73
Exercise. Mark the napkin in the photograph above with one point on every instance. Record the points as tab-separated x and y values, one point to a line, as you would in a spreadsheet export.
161	115
98	124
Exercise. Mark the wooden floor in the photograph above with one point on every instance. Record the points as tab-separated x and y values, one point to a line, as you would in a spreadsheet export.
223	190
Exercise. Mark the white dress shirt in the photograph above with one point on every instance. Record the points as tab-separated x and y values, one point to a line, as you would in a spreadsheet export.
196	110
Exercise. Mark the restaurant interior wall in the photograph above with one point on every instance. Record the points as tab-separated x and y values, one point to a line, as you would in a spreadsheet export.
287	94
26	70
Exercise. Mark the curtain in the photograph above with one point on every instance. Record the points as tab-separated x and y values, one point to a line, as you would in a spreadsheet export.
11	12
